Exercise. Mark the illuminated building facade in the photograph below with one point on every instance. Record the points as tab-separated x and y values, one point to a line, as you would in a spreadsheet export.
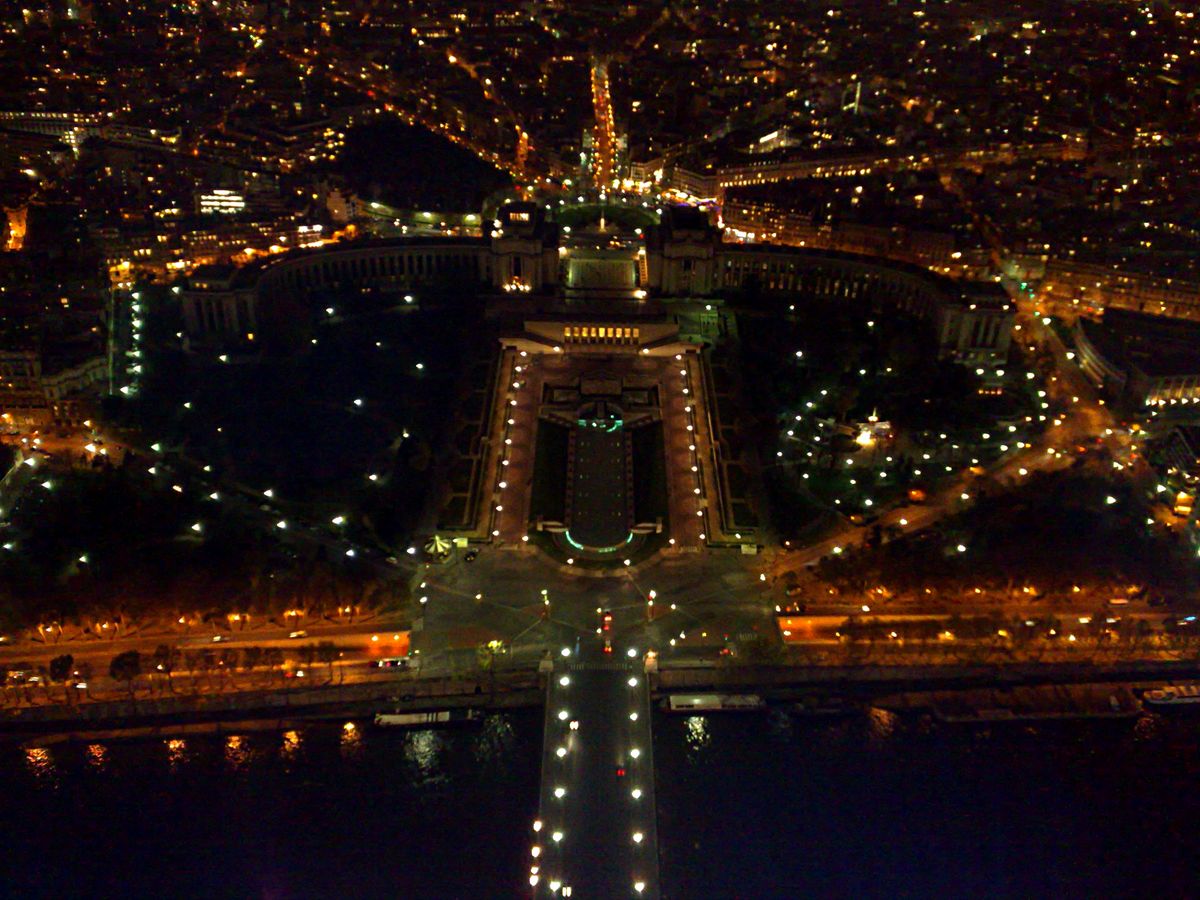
1073	288
683	257
1140	359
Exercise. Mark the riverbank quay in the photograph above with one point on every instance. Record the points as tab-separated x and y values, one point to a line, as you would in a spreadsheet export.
786	681
820	688
164	713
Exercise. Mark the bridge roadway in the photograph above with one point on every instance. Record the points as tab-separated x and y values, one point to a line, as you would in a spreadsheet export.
596	834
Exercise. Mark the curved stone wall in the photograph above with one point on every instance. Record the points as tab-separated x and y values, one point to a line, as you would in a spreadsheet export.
378	264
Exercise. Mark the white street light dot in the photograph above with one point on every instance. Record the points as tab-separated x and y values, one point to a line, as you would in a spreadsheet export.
561	752
562	715
564	681
636	793
639	886
637	837
632	682
566	651
560	792
557	836
633	717
631	652
537	824
635	753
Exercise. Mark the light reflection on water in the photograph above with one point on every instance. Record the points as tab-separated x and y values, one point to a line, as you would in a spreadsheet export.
176	752
96	756
1148	728
214	802
881	724
696	736
237	752
290	748
494	741
351	741
422	750
425	752
41	764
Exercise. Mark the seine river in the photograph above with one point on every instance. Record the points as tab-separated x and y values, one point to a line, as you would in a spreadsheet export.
750	806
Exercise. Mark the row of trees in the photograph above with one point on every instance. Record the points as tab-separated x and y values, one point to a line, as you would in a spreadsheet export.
995	639
1000	639
132	668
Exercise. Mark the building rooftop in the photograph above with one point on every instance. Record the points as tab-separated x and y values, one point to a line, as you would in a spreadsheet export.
988	294
248	274
1157	346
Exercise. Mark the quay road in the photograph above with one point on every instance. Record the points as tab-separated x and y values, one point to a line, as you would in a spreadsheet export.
596	835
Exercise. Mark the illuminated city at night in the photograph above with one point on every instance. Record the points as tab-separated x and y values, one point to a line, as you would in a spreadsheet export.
563	449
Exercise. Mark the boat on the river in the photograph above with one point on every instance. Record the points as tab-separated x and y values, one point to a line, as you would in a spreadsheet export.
427	719
683	703
1172	695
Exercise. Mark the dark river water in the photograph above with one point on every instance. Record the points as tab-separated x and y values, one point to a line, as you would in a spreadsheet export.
749	806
